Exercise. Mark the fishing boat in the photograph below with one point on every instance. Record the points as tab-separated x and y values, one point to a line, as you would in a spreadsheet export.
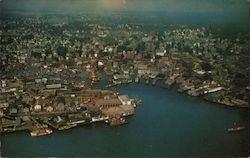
41	132
235	129
68	126
117	121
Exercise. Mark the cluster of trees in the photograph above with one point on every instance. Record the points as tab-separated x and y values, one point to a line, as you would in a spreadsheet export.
62	51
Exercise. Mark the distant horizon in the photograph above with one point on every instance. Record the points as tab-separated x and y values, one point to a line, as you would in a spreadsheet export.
81	6
231	20
234	13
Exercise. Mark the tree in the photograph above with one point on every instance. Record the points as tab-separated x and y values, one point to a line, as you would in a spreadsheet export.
62	51
206	66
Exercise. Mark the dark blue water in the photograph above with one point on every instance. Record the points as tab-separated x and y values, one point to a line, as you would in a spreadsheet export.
166	124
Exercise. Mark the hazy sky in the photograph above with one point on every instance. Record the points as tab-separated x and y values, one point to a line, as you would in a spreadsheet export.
128	5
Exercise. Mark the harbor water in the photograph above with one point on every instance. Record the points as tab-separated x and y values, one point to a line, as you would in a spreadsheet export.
166	124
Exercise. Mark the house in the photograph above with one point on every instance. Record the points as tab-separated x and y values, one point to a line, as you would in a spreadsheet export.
60	106
54	86
3	104
87	99
13	111
161	53
1	113
37	105
49	108
26	110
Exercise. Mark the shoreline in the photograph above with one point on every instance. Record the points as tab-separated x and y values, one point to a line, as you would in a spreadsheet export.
176	86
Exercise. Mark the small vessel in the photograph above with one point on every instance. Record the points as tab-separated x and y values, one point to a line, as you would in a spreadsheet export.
68	126
94	77
136	80
136	101
117	121
41	132
235	129
111	85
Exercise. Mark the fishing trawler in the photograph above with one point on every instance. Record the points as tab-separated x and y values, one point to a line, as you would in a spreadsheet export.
41	132
236	128
117	121
68	126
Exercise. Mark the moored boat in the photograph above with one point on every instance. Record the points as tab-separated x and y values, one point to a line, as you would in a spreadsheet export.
117	121
67	127
41	132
